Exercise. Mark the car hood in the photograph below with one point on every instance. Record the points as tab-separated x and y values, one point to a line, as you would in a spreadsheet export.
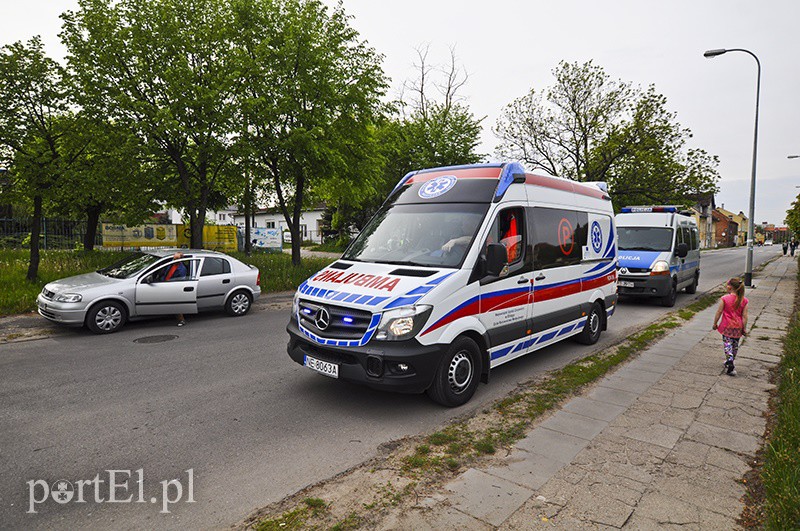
80	283
372	286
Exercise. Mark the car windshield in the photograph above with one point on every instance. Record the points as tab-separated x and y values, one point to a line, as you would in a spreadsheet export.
644	238
129	266
431	234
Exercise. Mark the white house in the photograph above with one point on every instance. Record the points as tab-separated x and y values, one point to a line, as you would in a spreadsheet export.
272	218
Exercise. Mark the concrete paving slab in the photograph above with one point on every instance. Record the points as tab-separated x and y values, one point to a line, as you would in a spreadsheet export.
612	396
723	438
660	435
624	383
552	444
594	409
572	424
527	469
642	375
486	497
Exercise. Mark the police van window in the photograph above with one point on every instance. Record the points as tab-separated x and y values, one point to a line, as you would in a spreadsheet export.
215	266
695	239
509	229
687	236
559	237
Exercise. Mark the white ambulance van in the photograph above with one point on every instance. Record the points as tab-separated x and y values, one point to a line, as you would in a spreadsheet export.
462	269
659	252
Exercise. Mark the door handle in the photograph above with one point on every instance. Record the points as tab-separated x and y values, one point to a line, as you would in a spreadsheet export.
188	289
226	281
541	277
523	281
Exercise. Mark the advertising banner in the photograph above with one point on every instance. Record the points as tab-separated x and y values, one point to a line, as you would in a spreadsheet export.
262	238
215	237
149	235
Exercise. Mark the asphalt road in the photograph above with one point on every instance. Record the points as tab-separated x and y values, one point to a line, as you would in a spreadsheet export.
223	400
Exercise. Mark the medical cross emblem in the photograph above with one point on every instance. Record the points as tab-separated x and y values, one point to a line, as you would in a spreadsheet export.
597	237
437	186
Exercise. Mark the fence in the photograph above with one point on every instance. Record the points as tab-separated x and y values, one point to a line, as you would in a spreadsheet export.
56	233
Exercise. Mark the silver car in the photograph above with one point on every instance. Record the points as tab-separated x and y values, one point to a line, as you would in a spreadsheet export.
151	283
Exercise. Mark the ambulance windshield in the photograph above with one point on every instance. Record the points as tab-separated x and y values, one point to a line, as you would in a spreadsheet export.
431	234
644	238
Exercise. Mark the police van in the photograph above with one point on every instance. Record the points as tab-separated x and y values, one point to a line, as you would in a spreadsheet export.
461	270
659	252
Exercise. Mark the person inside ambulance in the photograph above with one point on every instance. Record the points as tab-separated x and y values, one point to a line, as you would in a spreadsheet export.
466	229
510	236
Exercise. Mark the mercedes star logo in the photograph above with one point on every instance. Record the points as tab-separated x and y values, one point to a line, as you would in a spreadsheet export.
323	319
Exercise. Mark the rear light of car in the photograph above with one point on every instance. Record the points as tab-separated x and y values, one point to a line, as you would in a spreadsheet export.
258	279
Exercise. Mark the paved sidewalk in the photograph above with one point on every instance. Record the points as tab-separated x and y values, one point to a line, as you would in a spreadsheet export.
661	443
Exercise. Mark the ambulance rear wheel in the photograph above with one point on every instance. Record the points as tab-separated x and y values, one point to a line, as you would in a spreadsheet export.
458	374
593	327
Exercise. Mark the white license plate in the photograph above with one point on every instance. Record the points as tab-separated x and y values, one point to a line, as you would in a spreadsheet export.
322	367
624	284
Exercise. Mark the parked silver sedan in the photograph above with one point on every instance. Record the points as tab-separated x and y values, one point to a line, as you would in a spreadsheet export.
151	283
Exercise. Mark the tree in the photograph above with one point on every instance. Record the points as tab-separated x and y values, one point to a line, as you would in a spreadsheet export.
793	216
588	127
109	176
313	91
34	118
166	70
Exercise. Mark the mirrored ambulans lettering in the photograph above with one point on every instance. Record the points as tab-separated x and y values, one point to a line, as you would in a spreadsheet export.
357	279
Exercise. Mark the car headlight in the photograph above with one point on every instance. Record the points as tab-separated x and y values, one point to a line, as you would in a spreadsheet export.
69	297
402	323
660	268
296	303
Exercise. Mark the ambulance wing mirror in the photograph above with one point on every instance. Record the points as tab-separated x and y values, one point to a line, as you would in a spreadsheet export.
682	250
496	259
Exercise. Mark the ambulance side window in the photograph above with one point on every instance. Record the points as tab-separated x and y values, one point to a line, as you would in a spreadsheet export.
509	229
559	237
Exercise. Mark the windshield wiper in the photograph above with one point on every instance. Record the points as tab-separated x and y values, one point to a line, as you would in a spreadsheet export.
402	263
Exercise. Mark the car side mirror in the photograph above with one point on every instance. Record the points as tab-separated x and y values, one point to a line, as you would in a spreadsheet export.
682	250
496	259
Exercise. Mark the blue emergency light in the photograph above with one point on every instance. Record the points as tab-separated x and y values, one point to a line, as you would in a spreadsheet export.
640	209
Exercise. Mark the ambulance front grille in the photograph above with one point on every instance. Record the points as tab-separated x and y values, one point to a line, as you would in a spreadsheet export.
341	322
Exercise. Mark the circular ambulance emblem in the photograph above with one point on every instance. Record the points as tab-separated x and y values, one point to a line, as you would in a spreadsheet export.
323	319
437	186
597	237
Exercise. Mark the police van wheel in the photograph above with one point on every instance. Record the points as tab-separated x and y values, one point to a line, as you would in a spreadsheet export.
668	300
691	289
593	327
458	374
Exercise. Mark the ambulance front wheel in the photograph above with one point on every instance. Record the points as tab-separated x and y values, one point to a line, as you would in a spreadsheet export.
458	374
594	325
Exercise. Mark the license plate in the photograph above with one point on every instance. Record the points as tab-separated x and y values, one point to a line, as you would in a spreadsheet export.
322	367
624	284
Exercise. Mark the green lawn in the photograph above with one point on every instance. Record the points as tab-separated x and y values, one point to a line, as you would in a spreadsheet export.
18	295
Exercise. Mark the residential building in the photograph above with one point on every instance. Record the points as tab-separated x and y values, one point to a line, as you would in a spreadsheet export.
725	229
272	218
704	205
742	222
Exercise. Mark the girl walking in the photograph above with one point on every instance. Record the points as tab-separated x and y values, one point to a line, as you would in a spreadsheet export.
733	311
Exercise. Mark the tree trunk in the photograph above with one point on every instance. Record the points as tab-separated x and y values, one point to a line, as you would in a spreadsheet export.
248	245
92	219
197	220
36	227
296	240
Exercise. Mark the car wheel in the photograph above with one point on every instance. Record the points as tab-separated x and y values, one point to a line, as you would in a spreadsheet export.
106	317
239	303
593	327
458	374
668	300
691	289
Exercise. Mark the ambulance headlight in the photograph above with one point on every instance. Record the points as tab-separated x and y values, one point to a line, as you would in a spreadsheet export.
402	323
660	268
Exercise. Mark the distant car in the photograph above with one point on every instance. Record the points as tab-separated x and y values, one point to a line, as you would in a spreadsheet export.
768	242
146	284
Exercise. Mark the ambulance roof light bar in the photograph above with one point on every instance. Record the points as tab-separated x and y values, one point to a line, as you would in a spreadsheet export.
654	208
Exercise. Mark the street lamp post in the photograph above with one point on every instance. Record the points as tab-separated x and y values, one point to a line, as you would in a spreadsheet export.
748	274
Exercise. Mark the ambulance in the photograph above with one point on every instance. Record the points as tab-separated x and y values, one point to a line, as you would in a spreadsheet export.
462	269
659	252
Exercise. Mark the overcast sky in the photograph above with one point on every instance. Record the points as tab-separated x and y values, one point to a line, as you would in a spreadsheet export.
509	47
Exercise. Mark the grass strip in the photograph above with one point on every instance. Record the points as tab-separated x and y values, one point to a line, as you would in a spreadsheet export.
781	472
17	295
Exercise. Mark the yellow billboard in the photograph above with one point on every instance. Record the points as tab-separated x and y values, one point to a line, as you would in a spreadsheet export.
148	235
215	237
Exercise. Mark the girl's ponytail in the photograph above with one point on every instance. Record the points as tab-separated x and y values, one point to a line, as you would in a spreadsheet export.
738	289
